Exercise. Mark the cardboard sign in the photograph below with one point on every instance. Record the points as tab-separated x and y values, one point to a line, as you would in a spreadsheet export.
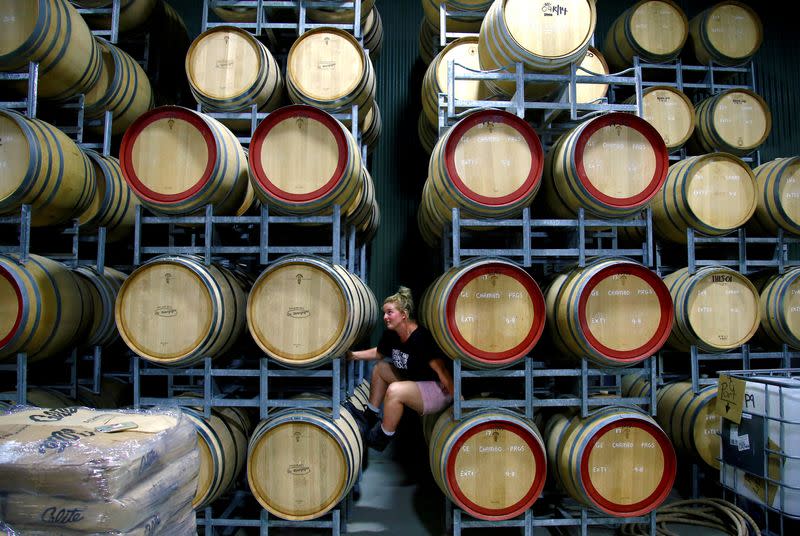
730	398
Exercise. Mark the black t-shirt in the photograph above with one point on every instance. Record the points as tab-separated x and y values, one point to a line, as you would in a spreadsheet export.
412	357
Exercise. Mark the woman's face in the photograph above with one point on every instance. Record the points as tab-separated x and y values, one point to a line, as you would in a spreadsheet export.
392	316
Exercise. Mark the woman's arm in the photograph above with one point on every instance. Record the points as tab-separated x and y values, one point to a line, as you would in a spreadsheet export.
445	378
370	354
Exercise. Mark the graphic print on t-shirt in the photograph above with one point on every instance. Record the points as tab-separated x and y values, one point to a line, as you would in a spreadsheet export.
399	359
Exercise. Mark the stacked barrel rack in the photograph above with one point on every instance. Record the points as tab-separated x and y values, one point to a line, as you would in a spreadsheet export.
547	246
256	239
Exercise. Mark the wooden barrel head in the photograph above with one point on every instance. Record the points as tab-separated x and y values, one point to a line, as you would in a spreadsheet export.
223	63
548	29
721	191
658	27
280	159
594	63
496	468
18	28
10	307
14	156
493	157
164	310
618	160
706	433
325	64
723	309
741	119
734	30
625	469
463	51
625	311
170	154
493	312
788	193
671	113
296	469
297	312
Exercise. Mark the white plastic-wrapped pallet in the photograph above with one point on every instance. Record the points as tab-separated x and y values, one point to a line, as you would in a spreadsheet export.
84	471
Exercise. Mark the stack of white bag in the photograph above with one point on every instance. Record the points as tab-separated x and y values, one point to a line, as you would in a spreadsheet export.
78	471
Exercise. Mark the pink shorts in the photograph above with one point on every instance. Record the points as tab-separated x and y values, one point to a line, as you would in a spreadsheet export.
434	399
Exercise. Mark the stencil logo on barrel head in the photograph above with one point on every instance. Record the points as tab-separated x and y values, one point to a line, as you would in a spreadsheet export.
662	98
166	311
298	312
168	277
298	469
300	278
550	9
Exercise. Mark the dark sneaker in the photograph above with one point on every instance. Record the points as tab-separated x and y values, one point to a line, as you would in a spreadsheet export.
371	417
377	439
358	415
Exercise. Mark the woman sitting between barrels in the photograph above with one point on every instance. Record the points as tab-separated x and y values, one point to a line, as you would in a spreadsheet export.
416	374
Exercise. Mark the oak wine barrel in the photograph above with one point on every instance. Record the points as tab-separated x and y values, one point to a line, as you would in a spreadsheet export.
736	121
114	204
690	420
716	309
177	161
712	194
132	13
373	34
41	397
491	463
611	165
463	15
489	165
463	51
283	175
340	15
304	311
103	290
229	70
729	33
594	63
614	312
174	310
545	37
301	462
778	196
44	168
654	30
44	308
122	88
428	42
327	68
52	33
222	440
779	305
670	111
617	460
487	312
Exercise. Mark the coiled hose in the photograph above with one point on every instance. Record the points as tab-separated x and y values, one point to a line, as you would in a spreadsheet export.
712	513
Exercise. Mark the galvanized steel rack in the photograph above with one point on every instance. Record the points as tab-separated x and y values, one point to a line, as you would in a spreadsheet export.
737	250
253	237
250	387
590	379
451	108
586	237
577	516
237	514
29	104
263	25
